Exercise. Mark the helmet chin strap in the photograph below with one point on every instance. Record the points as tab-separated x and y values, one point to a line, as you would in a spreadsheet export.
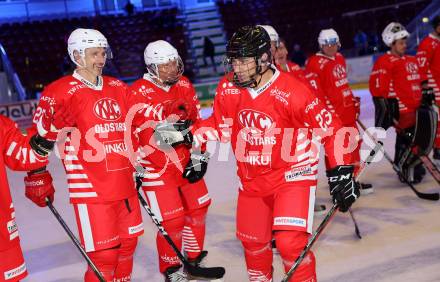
269	67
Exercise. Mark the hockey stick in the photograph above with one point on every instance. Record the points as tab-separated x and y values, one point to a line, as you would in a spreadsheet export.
425	196
75	241
197	271
356	227
326	219
431	167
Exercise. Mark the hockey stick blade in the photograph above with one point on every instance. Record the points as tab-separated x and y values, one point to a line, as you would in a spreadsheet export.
205	272
421	195
430	166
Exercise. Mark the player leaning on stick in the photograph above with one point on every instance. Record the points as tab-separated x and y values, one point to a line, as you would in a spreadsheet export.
268	117
396	86
428	58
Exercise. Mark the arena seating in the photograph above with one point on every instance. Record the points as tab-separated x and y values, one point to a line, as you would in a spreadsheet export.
38	49
301	21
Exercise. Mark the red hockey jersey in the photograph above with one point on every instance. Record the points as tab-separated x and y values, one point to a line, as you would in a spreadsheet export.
331	75
394	76
428	57
155	97
270	130
95	160
16	154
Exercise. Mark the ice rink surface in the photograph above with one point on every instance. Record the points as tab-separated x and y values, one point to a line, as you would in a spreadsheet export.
401	233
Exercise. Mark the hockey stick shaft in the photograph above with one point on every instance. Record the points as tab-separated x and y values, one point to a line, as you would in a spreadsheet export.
162	229
75	240
425	196
214	272
326	219
367	162
356	227
431	168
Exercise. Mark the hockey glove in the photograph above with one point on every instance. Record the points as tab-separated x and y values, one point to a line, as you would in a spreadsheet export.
196	167
428	97
343	188
39	186
173	134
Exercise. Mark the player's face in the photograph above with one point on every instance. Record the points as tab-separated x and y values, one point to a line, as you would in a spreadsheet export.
281	53
170	72
399	47
95	59
330	49
273	48
244	68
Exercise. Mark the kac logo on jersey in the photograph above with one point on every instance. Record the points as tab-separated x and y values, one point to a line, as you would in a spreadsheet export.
339	72
256	121
411	68
107	109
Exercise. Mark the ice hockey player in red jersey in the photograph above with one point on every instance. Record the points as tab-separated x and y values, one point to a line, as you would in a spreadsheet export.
268	116
395	84
279	53
284	64
19	153
16	154
178	198
99	174
428	57
330	70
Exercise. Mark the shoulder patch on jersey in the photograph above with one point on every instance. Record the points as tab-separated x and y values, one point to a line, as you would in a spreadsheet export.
184	83
280	95
228	88
144	90
115	82
311	105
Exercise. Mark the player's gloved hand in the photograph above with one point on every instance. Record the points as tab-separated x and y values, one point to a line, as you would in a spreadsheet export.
173	134
428	96
39	186
196	167
343	187
48	126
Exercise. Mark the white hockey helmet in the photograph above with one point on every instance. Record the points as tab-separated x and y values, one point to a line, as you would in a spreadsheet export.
392	32
328	37
273	34
161	52
81	38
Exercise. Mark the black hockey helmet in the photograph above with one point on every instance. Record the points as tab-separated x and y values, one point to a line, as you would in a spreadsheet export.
435	22
248	42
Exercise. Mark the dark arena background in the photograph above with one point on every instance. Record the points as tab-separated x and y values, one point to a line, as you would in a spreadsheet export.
400	232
